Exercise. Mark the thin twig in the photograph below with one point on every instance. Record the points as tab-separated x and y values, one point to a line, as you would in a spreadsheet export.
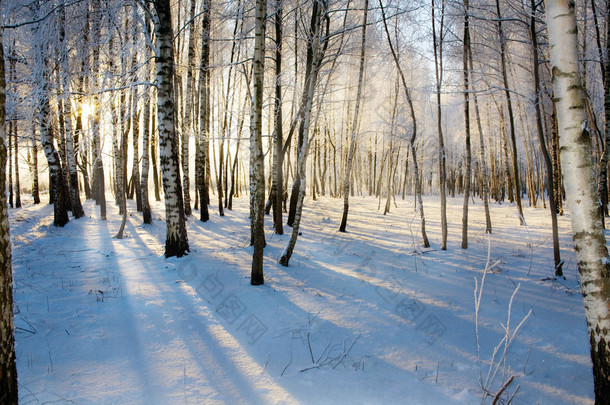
504	387
310	351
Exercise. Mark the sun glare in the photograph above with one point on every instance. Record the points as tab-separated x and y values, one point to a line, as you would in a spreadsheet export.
87	110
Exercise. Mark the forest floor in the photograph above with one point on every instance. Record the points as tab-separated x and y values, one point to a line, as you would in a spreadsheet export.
363	317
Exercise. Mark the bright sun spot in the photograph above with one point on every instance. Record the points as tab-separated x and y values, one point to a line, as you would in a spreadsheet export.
87	111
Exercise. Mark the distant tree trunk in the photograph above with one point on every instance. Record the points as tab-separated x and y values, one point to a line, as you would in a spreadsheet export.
98	181
277	185
10	169
204	112
511	120
187	126
57	179
34	171
76	206
542	142
468	159
146	212
135	118
602	187
154	147
483	166
314	58
557	177
83	164
176	242
352	142
582	199
8	365
16	155
418	191
437	43
257	156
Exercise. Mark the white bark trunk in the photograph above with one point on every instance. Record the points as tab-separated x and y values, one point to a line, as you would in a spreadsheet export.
176	242
575	145
257	156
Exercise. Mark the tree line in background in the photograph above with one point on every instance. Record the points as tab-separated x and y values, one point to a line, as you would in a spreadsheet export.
340	97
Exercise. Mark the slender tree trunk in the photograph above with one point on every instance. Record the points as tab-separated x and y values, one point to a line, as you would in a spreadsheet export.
176	242
582	199
437	43
135	119
352	143
313	50
468	159
34	171
483	166
204	113
602	186
8	152
513	138
146	105
8	366
542	142
257	156
277	185
187	126
420	204
310	76
77	207
57	180
557	177
16	155
99	186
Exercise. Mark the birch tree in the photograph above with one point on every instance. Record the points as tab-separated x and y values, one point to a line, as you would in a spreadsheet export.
277	185
437	44
407	91
354	128
176	241
58	186
77	207
257	156
468	158
509	106
314	58
545	153
8	365
204	113
581	195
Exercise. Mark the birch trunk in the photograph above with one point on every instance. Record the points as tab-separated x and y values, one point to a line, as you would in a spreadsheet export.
581	196
77	207
204	113
277	189
542	142
16	155
303	148
257	156
146	212
8	365
176	241
442	170
511	119
352	142
416	174
483	165
468	159
187	126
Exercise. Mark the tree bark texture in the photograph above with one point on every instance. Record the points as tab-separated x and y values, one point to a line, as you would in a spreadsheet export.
176	242
581	196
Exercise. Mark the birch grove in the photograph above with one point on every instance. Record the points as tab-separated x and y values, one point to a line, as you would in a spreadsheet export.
181	112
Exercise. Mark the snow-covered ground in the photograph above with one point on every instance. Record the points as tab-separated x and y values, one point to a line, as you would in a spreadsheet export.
363	317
